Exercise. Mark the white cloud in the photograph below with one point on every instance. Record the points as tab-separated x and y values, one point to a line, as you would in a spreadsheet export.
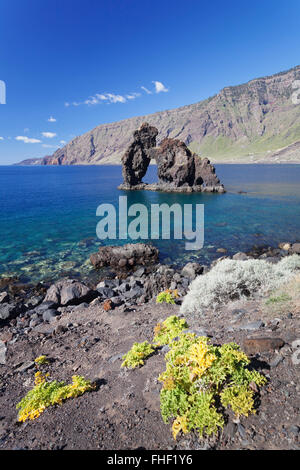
146	90
1	138
132	96
27	140
47	146
51	119
108	98
49	135
63	142
159	87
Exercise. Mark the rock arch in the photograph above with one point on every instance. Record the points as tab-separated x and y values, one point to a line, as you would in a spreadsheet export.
178	169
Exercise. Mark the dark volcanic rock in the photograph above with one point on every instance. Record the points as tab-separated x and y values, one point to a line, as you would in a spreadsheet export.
136	159
8	311
205	173
126	256
179	170
175	163
257	345
69	292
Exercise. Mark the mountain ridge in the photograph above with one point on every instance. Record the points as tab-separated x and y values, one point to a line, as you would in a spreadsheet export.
256	121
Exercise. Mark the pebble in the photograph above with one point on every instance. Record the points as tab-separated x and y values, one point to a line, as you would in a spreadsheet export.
277	359
255	325
3	350
25	366
4	297
114	358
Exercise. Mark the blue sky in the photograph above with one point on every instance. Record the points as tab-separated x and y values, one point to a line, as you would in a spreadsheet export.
70	65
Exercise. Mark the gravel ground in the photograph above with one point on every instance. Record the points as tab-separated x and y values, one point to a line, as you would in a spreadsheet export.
124	411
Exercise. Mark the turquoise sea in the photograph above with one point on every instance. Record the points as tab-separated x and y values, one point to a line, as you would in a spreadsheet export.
48	215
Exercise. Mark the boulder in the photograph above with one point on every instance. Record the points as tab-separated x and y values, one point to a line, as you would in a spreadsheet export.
106	292
257	345
296	248
69	292
4	297
49	315
191	270
285	246
240	256
131	254
8	311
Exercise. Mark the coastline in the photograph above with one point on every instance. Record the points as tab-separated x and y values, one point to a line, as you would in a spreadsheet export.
214	162
87	330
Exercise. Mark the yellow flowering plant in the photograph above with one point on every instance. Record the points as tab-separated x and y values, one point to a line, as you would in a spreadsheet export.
169	296
46	393
200	376
201	380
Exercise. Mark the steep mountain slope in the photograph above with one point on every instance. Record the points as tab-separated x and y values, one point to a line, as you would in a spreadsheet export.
249	122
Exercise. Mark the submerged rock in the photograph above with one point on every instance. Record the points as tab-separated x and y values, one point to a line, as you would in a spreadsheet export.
126	256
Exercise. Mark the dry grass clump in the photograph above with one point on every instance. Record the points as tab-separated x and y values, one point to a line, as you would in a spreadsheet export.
283	300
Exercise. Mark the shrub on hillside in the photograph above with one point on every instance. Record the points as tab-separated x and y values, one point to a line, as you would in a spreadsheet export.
231	280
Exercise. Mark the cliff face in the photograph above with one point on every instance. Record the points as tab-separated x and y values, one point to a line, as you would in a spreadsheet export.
254	120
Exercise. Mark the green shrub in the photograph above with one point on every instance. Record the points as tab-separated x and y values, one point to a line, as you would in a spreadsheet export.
169	296
200	380
167	330
46	393
135	357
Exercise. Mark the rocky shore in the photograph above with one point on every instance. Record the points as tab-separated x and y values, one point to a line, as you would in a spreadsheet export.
86	328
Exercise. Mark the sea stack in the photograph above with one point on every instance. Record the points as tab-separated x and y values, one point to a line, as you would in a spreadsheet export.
179	169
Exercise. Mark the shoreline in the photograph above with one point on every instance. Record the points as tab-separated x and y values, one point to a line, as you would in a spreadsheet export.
214	162
87	330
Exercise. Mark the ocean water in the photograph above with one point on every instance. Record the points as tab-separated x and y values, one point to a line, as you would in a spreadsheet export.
48	215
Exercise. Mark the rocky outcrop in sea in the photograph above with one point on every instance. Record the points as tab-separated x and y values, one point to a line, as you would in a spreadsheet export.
178	169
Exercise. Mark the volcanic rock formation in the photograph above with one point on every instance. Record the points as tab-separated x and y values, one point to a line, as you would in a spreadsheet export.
136	159
179	170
